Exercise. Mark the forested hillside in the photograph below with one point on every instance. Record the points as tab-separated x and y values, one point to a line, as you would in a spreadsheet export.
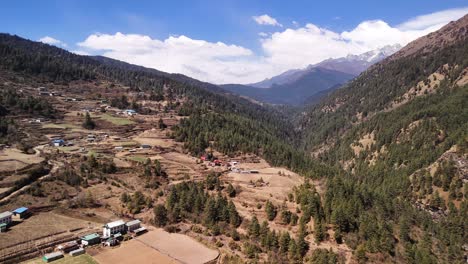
386	153
399	131
235	116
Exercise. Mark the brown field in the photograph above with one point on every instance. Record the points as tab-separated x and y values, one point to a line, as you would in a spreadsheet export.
180	247
132	251
14	159
39	226
155	137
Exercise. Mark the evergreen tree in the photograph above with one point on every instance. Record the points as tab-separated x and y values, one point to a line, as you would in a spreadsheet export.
88	122
160	215
270	210
254	227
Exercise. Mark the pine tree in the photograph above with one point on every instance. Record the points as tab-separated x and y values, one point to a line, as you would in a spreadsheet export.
231	191
161	124
319	229
88	123
284	242
254	227
210	212
234	218
160	215
270	210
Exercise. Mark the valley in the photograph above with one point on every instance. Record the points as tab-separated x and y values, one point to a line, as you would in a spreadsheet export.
130	164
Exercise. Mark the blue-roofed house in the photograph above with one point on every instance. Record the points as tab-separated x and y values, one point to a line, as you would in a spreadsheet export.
58	142
20	213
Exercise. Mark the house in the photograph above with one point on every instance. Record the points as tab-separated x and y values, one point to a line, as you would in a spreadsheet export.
145	146
91	239
254	171
58	142
119	148
52	256
130	112
67	247
41	89
3	227
20	213
133	225
139	230
217	162
5	217
77	252
114	228
110	242
91	138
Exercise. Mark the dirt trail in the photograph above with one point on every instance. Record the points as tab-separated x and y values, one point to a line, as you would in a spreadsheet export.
55	166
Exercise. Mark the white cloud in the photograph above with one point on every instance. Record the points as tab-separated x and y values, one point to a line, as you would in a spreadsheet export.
295	23
290	48
80	52
52	41
215	62
266	20
433	20
263	34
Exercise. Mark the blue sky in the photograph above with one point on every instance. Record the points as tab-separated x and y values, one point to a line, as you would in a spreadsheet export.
246	56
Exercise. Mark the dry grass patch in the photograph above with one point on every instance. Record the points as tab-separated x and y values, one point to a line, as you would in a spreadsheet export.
132	251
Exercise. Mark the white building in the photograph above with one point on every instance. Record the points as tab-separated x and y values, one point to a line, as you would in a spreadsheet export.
113	228
130	112
5	217
133	225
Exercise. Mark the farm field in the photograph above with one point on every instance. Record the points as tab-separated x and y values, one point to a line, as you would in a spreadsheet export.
120	121
14	159
39	226
81	259
132	251
178	246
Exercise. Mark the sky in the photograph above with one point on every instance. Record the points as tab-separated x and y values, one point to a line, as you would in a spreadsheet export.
226	41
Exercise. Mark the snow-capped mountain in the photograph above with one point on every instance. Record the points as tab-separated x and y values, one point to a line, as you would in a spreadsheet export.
355	64
351	64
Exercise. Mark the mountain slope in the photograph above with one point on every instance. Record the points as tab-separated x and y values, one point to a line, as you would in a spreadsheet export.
265	128
351	64
295	86
355	64
386	129
296	91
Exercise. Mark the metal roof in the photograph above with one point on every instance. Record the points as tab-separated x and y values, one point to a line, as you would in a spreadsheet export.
90	236
133	222
53	255
20	210
115	224
6	214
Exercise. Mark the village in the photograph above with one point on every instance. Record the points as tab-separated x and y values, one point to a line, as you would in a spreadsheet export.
94	225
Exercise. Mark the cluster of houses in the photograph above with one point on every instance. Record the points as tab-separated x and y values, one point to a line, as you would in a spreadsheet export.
60	142
43	92
6	218
232	165
112	234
